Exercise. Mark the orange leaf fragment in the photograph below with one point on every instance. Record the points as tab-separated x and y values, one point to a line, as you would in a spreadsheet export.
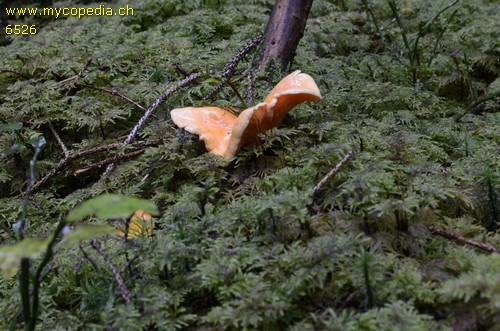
141	224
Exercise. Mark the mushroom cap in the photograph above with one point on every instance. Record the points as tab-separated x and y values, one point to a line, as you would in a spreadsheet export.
224	133
249	124
212	124
295	88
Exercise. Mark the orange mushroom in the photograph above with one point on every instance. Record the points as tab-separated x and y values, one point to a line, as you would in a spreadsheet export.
224	133
140	224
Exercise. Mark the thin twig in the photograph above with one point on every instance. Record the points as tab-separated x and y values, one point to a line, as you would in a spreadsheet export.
382	28
123	289
79	75
128	265
59	140
49	268
114	92
229	69
489	97
88	258
12	71
72	157
235	90
250	87
331	173
161	98
78	266
109	160
158	102
347	301
453	236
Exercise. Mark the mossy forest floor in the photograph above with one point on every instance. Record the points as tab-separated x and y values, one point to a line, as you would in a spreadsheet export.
251	245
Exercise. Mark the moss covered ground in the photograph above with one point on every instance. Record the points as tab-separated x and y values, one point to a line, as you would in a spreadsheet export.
255	244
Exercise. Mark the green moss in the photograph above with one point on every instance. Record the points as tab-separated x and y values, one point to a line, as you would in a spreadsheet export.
248	245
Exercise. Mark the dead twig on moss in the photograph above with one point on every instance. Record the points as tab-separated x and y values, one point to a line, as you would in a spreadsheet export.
453	236
72	157
109	160
87	257
79	75
12	71
59	140
330	174
98	88
181	71
158	102
250	87
229	69
115	93
125	293
161	98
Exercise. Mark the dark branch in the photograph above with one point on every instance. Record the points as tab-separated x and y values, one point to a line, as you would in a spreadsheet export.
110	160
12	71
59	140
125	293
72	157
284	31
229	69
463	240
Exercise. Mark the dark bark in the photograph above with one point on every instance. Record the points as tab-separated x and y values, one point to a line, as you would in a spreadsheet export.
283	32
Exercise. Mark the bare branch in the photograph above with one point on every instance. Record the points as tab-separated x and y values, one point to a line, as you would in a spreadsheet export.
229	69
152	108
119	279
49	268
453	236
107	161
12	71
79	75
180	70
59	140
331	173
72	157
88	258
250	86
114	92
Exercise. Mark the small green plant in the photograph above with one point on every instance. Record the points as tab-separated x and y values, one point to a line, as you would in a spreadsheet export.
368	9
411	45
488	180
27	250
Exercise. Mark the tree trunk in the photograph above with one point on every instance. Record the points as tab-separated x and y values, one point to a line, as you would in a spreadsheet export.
283	32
